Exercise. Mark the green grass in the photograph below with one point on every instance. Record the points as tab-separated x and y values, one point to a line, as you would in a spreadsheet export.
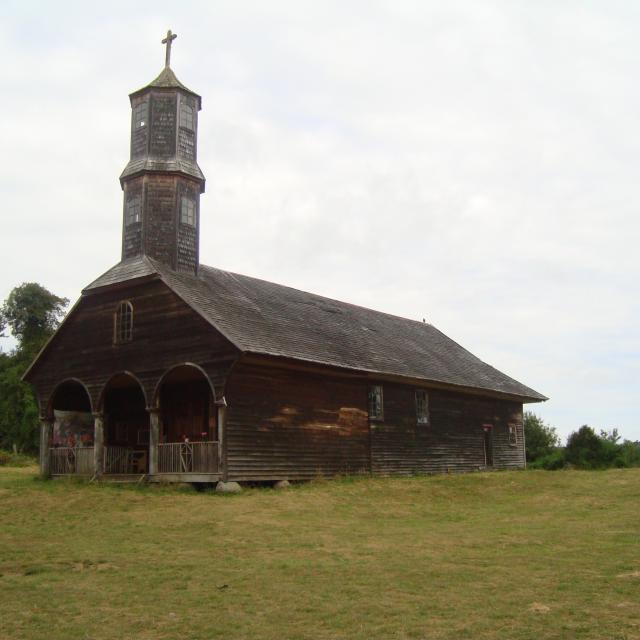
503	555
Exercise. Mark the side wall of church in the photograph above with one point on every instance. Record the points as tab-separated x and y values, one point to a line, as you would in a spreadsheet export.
453	439
299	425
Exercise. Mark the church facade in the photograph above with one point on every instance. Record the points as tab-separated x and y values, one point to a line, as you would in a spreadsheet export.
169	370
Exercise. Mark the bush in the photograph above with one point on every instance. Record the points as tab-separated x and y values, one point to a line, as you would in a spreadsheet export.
10	459
552	461
628	454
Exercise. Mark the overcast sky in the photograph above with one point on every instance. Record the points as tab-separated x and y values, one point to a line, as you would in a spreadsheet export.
473	162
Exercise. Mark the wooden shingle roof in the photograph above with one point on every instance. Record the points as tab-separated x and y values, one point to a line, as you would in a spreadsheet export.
265	318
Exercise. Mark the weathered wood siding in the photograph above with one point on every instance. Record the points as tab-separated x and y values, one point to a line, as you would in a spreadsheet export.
166	332
294	425
452	441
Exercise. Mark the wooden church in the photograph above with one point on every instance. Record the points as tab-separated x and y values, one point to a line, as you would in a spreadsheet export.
169	370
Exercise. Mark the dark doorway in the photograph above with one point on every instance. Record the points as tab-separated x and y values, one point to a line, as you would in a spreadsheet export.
126	433
186	403
189	440
488	445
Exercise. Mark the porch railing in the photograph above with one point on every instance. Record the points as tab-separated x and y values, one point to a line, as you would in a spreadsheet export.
117	459
188	457
68	460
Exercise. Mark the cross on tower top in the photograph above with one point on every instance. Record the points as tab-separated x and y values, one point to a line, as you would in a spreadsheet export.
168	40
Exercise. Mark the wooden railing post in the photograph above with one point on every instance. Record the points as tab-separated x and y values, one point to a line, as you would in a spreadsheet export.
46	429
154	439
98	444
222	418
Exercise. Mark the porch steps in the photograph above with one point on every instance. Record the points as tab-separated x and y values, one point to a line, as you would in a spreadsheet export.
123	478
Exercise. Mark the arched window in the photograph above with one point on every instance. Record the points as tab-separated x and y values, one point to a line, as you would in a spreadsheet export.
123	323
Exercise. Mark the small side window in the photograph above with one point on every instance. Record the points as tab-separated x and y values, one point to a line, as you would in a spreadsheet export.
187	211
376	409
422	406
133	211
513	435
123	323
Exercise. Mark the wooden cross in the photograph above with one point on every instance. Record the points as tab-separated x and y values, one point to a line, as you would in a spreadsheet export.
168	40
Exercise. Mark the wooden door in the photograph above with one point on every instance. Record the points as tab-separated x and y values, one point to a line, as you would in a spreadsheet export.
488	445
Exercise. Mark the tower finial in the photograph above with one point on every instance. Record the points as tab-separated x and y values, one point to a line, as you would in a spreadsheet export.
168	40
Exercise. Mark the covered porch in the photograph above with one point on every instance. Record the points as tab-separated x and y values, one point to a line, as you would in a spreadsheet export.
174	440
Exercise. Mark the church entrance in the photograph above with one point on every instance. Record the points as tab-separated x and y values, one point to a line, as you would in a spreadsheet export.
126	427
188	439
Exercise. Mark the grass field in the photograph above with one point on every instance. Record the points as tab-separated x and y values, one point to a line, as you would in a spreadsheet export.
503	555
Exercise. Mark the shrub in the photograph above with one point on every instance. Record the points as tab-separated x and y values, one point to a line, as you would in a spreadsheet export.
552	461
9	459
628	454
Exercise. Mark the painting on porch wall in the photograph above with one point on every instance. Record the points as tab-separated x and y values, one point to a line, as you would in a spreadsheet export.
72	429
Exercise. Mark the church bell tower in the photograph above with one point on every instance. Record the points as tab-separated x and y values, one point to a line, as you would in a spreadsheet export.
162	182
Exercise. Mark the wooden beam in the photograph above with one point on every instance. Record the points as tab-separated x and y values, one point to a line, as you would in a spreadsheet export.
98	443
46	430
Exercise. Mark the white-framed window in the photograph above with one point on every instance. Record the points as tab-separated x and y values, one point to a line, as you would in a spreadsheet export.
186	116
133	210
123	323
140	116
422	406
513	435
187	211
376	408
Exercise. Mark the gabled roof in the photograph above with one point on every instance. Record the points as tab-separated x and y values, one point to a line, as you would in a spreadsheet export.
265	318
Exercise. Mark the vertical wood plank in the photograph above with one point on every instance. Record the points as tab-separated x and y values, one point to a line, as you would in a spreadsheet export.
98	443
154	438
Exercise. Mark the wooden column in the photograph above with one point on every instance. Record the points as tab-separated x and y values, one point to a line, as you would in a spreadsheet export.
46	429
154	439
222	459
98	444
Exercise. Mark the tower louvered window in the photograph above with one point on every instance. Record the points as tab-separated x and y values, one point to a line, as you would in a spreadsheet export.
186	117
140	115
123	323
187	211
133	211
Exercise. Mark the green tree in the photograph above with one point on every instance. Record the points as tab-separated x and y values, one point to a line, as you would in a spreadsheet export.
32	313
587	450
540	439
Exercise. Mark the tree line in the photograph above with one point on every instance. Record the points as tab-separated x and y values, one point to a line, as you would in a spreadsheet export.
585	448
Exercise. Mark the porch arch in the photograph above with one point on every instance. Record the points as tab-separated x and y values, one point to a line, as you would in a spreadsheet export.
175	371
69	447
117	378
71	394
123	403
188	440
